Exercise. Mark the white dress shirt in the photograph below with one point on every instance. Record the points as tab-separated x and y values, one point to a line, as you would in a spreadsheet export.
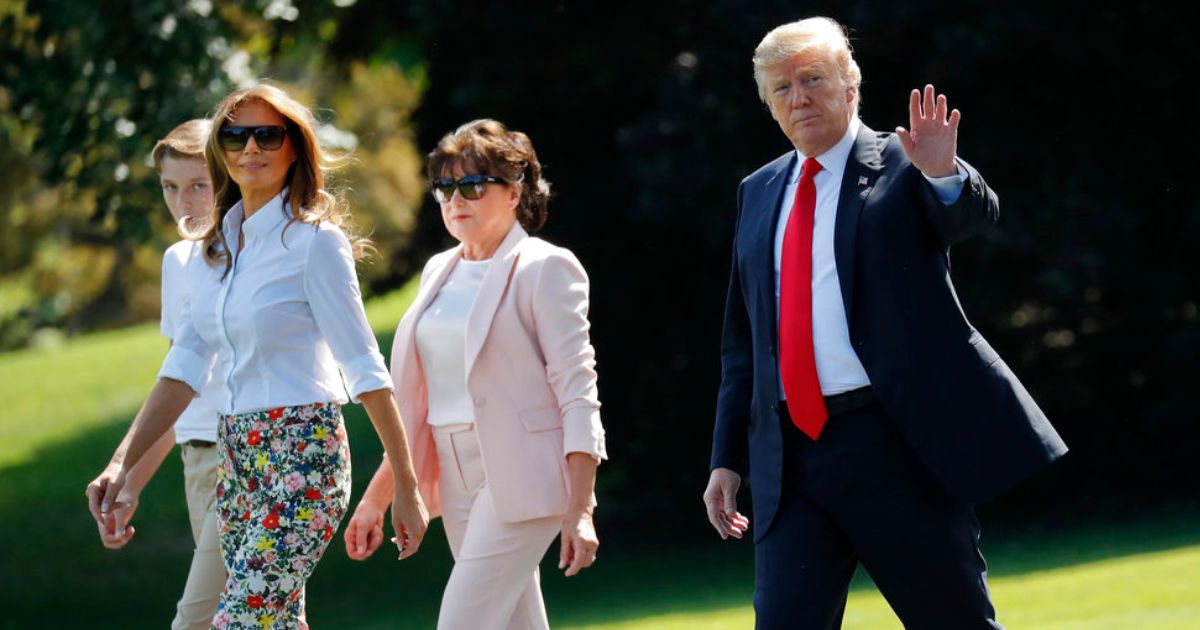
838	367
441	344
199	420
285	318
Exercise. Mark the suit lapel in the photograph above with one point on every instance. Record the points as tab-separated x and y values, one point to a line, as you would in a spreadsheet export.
764	233
406	331
491	291
862	171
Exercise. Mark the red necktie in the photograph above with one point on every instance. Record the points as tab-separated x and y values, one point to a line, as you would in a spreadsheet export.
797	363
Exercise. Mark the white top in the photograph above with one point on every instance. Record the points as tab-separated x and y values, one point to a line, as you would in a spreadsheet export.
838	367
199	420
287	316
441	344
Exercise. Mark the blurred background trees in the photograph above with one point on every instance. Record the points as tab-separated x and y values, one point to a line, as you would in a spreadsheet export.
88	87
646	118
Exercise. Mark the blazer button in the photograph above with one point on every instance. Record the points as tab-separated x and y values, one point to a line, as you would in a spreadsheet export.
479	401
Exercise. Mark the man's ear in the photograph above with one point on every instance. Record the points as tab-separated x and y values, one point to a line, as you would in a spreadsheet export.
770	110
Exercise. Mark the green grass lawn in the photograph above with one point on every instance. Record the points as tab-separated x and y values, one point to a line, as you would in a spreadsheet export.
67	408
1156	590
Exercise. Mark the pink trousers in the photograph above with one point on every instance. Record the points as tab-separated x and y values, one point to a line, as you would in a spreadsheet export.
494	584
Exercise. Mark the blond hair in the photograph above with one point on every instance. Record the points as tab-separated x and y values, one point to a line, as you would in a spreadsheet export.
811	34
185	142
311	201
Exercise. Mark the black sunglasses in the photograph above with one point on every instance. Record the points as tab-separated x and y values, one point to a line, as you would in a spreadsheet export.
470	187
266	137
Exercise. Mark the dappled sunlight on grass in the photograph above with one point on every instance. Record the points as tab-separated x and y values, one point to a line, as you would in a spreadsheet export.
1159	590
51	394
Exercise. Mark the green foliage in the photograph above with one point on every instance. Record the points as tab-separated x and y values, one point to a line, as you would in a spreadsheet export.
385	179
87	90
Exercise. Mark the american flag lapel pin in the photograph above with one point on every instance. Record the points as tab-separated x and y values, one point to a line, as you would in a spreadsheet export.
862	180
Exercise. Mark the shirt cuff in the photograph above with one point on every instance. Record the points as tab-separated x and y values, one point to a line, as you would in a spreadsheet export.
583	433
366	373
948	188
184	365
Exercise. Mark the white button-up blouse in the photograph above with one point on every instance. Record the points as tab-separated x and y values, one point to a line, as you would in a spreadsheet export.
283	321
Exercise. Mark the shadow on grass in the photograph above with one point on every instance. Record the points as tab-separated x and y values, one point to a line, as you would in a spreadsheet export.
55	574
646	579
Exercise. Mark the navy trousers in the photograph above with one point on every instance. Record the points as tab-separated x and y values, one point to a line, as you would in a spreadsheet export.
859	494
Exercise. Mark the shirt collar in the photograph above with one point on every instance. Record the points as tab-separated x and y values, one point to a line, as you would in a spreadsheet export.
265	221
833	160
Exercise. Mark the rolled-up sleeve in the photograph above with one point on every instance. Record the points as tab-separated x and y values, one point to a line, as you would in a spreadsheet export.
336	301
168	287
561	309
190	357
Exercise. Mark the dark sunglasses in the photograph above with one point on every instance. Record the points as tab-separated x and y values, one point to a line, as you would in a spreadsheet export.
470	187
266	137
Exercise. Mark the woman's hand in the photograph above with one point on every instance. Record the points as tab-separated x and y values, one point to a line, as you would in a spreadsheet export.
410	520
102	492
577	549
364	534
115	530
395	476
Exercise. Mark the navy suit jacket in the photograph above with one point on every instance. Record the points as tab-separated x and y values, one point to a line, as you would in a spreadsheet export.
953	398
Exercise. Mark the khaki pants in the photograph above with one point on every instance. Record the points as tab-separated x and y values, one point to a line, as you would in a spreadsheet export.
494	584
206	578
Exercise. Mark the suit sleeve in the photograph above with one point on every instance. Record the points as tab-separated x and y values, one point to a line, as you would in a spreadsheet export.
561	315
731	432
975	212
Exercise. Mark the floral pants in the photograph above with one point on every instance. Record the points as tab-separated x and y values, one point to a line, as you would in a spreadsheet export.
282	489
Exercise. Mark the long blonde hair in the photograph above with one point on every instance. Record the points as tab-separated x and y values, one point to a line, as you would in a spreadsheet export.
311	202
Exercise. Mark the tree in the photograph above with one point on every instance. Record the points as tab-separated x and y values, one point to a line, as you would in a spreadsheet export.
89	87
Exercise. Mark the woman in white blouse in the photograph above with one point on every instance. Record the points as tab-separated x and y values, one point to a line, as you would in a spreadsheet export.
274	300
495	377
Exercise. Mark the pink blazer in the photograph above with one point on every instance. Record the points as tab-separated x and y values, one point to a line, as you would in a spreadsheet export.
530	373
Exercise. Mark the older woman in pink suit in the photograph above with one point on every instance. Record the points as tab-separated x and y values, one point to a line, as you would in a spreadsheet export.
494	376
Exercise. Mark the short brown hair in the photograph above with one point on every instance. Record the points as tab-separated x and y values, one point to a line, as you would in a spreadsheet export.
488	147
185	142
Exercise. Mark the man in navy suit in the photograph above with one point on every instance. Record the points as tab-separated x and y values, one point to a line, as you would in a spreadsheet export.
867	413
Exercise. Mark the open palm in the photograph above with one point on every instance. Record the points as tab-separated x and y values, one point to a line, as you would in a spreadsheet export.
931	141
